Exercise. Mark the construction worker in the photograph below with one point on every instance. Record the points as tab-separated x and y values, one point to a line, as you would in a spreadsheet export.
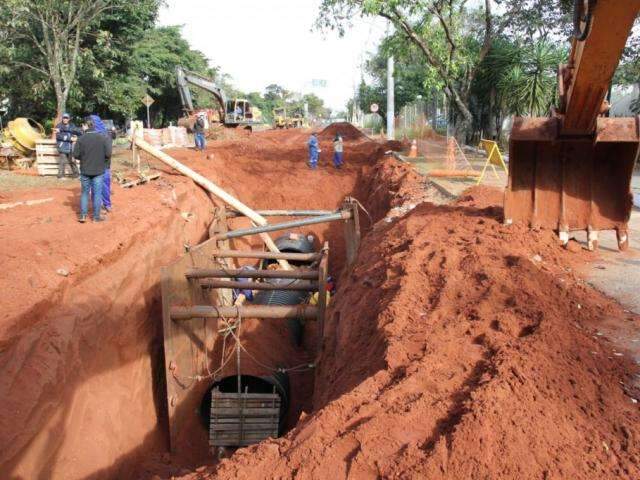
338	149
314	150
93	149
106	178
198	130
66	133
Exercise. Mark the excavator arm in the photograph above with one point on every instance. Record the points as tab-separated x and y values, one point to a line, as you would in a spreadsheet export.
185	78
573	171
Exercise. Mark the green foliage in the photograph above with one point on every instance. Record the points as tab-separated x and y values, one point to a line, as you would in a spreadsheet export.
523	78
122	56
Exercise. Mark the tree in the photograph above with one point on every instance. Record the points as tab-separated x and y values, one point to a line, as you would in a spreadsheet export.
55	30
453	39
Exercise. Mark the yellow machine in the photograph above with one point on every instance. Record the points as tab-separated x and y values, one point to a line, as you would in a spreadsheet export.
22	134
281	120
234	113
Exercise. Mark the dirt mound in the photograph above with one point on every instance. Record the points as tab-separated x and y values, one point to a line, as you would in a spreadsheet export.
345	129
460	348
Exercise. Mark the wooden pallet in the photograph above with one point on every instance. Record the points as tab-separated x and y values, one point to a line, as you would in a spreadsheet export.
47	157
239	420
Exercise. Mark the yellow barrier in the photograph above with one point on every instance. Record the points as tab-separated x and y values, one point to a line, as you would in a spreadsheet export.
494	158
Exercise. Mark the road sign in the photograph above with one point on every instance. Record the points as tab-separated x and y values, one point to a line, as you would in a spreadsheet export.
147	100
374	107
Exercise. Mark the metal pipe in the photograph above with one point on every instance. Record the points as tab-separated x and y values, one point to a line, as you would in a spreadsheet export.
305	287
243	232
303	257
307	312
285	213
236	273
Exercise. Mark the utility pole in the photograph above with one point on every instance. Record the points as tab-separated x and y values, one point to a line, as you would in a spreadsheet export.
390	100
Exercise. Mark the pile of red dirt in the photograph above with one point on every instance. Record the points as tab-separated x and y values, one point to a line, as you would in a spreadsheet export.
345	129
460	348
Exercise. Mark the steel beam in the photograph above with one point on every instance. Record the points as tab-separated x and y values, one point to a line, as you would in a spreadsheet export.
306	312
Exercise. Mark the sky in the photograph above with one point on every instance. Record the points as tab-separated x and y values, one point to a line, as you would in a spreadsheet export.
260	42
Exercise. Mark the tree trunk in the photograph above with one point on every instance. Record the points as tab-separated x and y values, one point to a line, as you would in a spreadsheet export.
61	103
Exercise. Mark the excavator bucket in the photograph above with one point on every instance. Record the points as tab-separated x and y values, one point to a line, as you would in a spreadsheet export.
572	183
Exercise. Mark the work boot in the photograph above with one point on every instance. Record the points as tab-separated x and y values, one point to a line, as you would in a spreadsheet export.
82	218
100	219
106	209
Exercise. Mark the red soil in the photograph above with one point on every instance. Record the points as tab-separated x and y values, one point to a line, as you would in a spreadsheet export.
81	355
451	350
454	352
345	129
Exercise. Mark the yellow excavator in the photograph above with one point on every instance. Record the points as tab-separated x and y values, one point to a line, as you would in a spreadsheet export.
573	171
234	113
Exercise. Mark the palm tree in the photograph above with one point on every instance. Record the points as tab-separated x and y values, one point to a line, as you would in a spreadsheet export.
528	86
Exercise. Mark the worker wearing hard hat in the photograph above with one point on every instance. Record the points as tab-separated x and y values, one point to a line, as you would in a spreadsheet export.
66	133
314	150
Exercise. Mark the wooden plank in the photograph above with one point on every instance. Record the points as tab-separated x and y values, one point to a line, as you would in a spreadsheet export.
185	351
235	420
238	444
253	428
244	397
323	272
235	411
47	150
230	436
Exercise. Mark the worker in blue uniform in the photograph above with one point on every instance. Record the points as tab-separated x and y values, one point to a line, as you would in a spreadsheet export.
314	150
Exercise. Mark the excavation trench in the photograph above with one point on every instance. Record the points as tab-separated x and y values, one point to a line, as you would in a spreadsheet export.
84	390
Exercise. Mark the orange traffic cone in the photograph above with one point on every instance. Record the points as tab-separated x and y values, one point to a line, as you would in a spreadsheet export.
413	152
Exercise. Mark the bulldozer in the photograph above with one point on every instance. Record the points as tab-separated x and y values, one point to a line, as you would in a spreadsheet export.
233	113
281	120
572	171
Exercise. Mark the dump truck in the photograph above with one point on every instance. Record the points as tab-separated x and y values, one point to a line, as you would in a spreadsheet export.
233	113
572	171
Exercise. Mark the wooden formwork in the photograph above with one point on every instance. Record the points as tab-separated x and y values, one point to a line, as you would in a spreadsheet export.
242	419
47	158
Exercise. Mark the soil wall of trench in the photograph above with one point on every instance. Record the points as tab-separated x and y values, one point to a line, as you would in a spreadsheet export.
83	378
80	367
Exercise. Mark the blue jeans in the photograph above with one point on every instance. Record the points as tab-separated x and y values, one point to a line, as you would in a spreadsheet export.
200	142
337	159
106	188
91	184
313	157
